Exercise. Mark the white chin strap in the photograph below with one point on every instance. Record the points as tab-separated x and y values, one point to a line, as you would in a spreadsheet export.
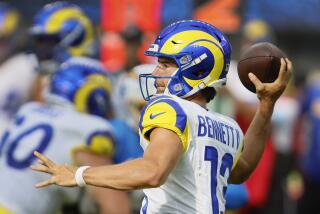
216	85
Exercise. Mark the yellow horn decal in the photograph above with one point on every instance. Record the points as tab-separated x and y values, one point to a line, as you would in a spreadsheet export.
92	83
217	67
183	39
56	21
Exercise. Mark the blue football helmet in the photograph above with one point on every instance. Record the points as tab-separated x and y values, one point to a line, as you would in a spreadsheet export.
63	30
84	83
201	52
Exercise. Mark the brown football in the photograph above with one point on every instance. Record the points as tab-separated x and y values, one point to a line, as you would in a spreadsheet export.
261	59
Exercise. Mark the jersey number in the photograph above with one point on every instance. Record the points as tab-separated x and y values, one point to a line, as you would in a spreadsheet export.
21	163
211	154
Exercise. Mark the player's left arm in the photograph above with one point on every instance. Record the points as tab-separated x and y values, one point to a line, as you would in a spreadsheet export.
151	170
257	133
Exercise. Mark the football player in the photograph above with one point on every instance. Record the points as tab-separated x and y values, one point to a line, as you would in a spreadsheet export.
127	87
70	127
308	125
60	30
190	154
17	69
130	107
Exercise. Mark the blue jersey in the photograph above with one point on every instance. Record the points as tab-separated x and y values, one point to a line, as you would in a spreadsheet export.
310	108
126	142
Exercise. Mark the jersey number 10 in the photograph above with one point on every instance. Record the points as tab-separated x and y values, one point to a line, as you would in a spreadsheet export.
11	145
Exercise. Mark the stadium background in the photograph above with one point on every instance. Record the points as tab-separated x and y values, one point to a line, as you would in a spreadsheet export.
296	24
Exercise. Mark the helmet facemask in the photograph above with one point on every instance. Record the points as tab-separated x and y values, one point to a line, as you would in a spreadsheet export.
148	85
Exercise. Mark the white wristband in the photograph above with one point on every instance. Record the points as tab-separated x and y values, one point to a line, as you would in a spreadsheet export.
78	176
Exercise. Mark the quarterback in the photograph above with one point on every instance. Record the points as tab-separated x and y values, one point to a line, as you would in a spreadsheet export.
190	154
14	63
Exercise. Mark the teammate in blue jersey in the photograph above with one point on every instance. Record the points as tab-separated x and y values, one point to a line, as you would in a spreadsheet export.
127	141
127	110
71	127
183	170
310	154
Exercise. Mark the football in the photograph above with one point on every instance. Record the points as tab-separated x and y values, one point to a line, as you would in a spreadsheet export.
261	59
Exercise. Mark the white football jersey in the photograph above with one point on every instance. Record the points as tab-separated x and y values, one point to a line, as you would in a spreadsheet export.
55	131
17	76
212	144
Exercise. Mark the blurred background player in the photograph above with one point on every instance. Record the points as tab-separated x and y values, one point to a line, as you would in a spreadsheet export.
59	31
127	87
128	104
69	126
17	69
309	151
